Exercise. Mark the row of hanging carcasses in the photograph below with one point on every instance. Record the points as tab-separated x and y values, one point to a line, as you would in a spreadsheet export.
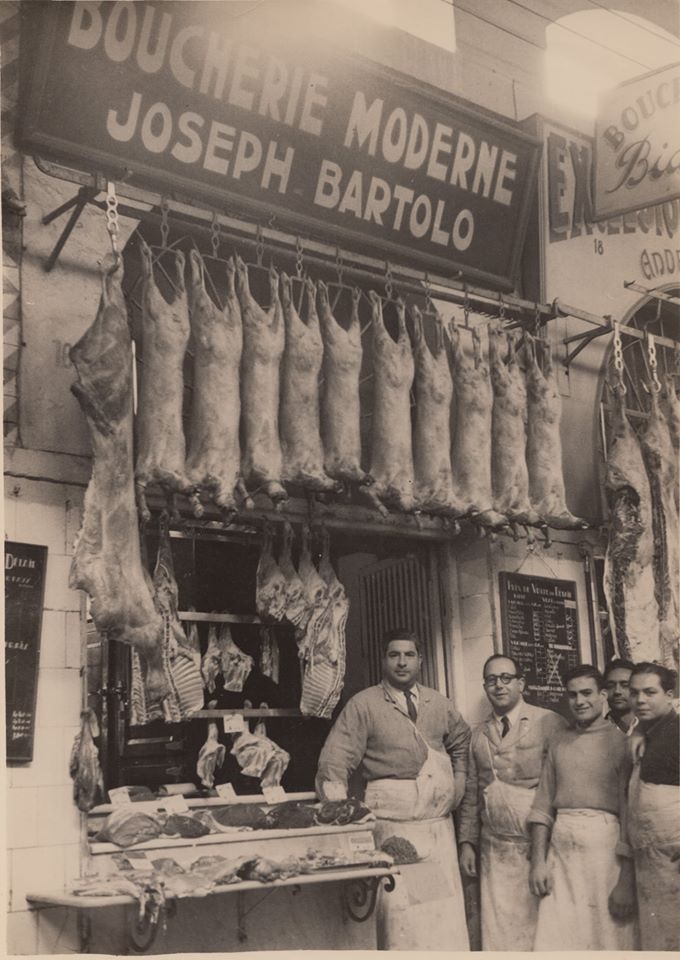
642	566
276	400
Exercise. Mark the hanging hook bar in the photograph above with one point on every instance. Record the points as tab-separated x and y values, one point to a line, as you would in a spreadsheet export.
618	358
651	353
466	306
165	226
112	222
389	286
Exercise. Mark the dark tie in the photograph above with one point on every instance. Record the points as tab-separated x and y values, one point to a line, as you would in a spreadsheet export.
410	705
505	723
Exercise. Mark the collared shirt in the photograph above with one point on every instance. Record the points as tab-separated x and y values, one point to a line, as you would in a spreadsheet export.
515	759
625	726
512	716
399	696
661	759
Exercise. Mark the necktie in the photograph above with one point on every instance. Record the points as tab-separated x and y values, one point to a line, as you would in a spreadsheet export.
410	705
505	724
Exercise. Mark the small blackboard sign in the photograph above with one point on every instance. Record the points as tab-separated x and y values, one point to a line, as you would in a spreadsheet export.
540	630
25	567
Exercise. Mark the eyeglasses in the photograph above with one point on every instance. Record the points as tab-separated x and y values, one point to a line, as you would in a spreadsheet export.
504	678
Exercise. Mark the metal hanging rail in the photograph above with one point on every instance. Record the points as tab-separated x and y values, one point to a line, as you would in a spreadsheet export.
196	219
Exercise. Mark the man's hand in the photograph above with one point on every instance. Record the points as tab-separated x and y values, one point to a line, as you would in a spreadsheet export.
467	859
622	897
540	878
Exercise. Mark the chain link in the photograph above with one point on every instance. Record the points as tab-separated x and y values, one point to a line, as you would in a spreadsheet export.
215	234
651	353
618	358
501	309
428	295
259	246
165	226
112	217
339	265
299	265
466	306
389	286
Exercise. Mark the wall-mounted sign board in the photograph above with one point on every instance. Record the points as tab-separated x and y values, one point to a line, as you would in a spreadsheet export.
25	568
540	630
258	113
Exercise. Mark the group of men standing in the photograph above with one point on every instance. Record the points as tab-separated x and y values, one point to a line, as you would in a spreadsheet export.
572	828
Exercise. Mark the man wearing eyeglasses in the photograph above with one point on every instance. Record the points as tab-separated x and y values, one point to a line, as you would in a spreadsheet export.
506	754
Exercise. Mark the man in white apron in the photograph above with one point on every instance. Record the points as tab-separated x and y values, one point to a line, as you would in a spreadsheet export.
411	747
506	754
585	874
654	806
617	678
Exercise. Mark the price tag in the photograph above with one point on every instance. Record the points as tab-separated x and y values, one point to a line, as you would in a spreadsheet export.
334	790
119	795
226	791
139	861
274	794
234	723
362	842
175	804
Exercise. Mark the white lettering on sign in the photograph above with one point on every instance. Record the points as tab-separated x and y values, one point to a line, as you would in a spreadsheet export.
12	562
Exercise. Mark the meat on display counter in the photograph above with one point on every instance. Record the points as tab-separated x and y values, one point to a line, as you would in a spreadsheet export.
161	868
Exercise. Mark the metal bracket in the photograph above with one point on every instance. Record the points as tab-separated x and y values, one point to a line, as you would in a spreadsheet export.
242	913
584	339
359	896
78	203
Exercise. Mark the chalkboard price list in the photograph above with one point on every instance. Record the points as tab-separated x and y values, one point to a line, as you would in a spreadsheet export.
540	630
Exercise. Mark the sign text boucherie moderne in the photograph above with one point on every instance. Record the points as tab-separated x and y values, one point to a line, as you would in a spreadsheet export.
218	106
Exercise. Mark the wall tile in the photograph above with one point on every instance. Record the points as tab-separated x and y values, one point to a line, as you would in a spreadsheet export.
74	515
58	595
58	931
473	577
53	640
10	508
58	818
58	698
50	765
475	614
22	807
41	514
33	870
22	933
71	862
73	641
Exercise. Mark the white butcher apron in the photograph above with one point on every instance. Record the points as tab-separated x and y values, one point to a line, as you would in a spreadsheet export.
654	834
426	910
584	869
509	909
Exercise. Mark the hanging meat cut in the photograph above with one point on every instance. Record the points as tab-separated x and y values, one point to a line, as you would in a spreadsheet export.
211	664
236	665
471	449
340	410
165	335
319	611
260	757
295	606
432	424
214	454
300	429
107	560
270	584
628	569
509	473
391	447
670	405
263	345
84	767
210	756
269	654
660	460
544	446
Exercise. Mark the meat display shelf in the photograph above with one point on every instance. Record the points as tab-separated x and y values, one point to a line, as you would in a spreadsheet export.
258	798
201	617
248	712
343	874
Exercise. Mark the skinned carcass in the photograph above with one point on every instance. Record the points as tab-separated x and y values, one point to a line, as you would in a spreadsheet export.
432	424
107	558
165	335
544	446
263	345
299	413
270	583
509	472
84	767
210	757
628	568
660	462
471	448
340	408
391	445
214	453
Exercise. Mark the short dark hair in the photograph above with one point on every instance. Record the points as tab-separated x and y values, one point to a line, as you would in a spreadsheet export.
503	656
584	670
400	633
668	678
618	663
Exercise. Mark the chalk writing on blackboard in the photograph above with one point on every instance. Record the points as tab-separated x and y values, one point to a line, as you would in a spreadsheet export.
25	565
540	630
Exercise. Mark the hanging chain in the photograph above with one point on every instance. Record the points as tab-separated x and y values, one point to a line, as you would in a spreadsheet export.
112	217
259	246
389	286
165	226
338	265
428	295
537	320
618	358
651	353
299	265
466	306
215	234
501	309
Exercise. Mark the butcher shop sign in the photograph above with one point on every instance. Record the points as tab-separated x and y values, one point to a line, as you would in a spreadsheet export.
249	112
637	144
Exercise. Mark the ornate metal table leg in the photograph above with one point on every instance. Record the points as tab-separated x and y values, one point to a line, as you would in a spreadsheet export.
359	896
